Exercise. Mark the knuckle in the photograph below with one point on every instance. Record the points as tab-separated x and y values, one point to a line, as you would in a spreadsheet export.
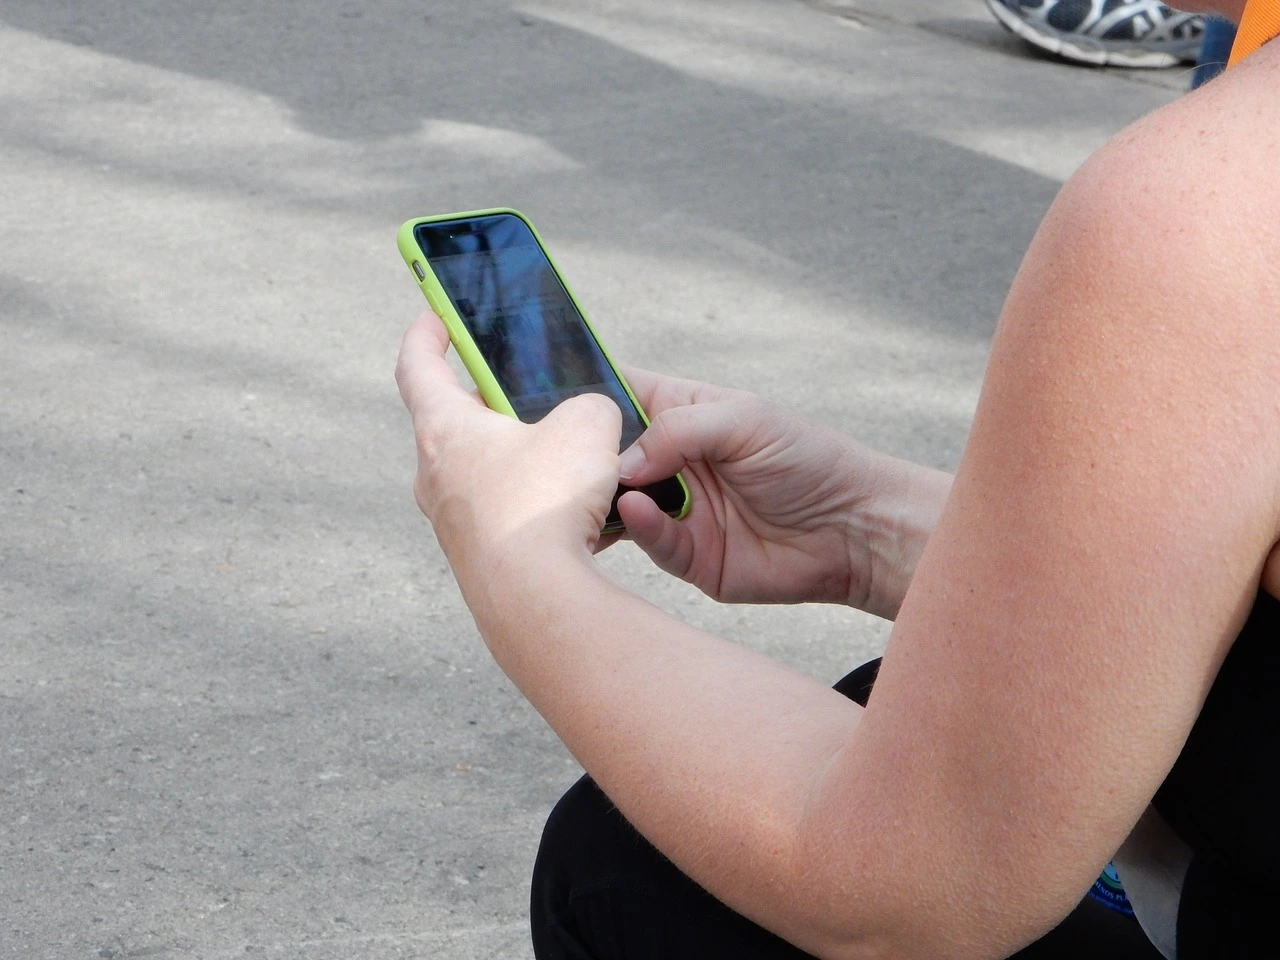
432	440
603	405
685	429
402	374
660	429
421	495
424	437
596	408
434	474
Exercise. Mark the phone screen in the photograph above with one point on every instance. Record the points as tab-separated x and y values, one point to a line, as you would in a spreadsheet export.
526	325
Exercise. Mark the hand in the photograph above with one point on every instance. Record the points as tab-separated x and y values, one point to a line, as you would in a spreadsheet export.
490	484
783	510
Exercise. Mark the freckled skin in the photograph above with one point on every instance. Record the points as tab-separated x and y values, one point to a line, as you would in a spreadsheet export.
1116	507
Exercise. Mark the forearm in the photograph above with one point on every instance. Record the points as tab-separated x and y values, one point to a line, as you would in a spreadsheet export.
893	527
709	749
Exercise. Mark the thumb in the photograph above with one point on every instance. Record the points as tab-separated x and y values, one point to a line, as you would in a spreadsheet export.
710	432
668	542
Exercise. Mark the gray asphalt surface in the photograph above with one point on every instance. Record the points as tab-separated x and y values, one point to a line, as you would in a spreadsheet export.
244	711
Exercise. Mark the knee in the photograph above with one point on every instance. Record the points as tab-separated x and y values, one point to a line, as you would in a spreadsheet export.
575	846
574	833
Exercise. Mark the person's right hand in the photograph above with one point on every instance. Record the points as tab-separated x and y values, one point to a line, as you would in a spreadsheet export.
783	510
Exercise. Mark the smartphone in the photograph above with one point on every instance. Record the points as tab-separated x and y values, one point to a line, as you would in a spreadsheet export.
518	328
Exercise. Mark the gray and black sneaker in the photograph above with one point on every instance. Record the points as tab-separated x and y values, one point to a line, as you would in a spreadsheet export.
1117	33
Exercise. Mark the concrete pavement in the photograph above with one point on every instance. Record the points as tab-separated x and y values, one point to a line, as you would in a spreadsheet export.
244	711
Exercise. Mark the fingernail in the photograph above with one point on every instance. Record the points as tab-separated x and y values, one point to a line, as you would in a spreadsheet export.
631	462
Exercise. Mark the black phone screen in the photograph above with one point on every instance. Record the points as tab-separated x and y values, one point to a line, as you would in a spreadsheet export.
526	325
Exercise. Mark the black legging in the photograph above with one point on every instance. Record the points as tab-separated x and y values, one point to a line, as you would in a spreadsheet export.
602	892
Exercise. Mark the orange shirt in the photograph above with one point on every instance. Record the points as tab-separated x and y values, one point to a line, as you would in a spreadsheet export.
1261	22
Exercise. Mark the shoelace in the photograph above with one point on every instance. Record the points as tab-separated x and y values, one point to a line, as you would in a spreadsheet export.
1260	23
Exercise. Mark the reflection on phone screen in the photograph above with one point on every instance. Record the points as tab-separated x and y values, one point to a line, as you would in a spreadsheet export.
523	320
526	326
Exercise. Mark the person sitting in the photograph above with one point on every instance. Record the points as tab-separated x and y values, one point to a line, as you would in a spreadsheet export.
1083	666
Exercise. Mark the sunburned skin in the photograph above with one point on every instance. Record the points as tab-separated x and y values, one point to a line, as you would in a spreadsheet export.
1232	10
1102	542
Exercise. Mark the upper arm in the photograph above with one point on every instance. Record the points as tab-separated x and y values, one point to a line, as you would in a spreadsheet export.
1100	548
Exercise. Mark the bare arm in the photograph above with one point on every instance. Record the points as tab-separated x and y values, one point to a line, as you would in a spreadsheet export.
1106	532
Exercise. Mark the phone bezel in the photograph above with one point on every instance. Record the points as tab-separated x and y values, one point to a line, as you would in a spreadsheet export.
469	352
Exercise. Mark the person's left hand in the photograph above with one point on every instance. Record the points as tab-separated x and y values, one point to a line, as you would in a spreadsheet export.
491	485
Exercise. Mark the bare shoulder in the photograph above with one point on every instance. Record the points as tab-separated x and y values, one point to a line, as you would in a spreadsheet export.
1193	184
1227	132
1241	107
1185	208
1107	531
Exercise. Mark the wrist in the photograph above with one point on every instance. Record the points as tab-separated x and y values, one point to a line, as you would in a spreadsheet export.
483	547
509	585
888	530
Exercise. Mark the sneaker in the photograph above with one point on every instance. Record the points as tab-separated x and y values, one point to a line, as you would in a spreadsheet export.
1117	33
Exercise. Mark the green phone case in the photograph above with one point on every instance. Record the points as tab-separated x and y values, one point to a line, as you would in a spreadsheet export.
439	301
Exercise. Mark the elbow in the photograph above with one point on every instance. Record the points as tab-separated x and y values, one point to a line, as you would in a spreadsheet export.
926	935
913	909
916	938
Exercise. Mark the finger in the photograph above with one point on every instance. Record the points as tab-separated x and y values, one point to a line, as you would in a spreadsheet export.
655	391
590	413
658	392
426	382
712	432
668	542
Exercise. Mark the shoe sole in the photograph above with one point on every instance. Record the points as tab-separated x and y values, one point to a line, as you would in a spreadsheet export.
1084	49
